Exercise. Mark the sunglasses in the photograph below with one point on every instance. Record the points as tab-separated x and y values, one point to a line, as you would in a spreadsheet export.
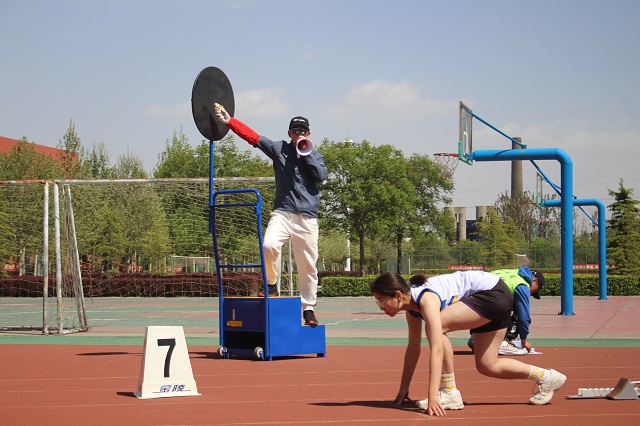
299	131
381	303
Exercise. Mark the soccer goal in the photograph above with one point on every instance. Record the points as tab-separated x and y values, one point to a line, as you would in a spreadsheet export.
118	238
31	299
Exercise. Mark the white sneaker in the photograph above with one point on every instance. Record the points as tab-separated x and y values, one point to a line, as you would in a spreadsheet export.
546	390
511	349
447	400
517	343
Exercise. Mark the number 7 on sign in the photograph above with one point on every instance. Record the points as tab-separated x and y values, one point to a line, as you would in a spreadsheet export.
166	369
167	360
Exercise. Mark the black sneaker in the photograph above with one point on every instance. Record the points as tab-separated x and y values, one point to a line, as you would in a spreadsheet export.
273	291
310	318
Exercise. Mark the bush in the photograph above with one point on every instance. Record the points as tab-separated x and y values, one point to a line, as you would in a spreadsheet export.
141	285
583	284
344	284
589	285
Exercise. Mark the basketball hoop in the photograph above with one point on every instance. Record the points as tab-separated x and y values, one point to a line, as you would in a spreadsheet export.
529	203
447	162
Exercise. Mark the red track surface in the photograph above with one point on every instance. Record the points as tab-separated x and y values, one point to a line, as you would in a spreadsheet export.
47	384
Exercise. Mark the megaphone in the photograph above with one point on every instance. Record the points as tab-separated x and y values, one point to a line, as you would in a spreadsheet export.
304	147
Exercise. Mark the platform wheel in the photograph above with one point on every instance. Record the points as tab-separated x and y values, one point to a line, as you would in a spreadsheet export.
223	352
259	352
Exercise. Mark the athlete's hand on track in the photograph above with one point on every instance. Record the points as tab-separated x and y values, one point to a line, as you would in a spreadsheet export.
435	408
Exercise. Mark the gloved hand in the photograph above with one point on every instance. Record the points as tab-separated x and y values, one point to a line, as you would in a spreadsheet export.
222	116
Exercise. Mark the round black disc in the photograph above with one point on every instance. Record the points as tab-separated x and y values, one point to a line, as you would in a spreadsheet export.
211	86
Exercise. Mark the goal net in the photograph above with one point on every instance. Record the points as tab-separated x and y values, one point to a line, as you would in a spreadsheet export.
123	238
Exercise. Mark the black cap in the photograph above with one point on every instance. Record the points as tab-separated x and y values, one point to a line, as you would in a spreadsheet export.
540	277
299	122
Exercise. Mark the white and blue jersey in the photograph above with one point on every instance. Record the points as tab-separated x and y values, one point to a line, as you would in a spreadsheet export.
451	288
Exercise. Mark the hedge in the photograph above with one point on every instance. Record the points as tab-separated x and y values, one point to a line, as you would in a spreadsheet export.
583	285
140	285
248	284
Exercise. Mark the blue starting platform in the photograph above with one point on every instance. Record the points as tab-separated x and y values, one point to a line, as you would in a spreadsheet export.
261	328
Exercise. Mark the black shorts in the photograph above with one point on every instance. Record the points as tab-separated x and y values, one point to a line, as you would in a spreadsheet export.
495	305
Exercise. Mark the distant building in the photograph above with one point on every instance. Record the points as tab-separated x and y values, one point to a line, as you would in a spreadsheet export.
466	229
6	144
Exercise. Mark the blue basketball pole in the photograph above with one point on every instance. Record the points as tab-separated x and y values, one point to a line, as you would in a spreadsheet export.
566	208
602	237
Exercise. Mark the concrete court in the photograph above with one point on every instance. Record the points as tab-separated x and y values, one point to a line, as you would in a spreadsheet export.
348	320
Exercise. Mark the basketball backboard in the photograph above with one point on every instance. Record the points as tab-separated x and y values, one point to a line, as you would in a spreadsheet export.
465	142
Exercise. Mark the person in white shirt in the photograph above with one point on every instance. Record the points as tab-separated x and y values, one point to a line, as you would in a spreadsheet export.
485	307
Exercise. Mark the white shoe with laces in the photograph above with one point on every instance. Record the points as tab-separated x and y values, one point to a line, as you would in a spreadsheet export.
511	349
449	401
546	390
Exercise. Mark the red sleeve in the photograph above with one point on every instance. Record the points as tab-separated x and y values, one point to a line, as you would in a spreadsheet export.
244	131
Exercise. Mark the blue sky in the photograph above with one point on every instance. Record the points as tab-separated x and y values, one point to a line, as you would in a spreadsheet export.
558	73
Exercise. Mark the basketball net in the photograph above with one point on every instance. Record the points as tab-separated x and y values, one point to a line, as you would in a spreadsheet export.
447	162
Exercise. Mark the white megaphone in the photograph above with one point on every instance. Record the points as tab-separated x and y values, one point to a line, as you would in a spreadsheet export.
304	147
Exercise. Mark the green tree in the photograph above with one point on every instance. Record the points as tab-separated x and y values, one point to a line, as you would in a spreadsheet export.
332	247
22	162
395	211
623	240
375	192
177	160
548	222
377	251
24	211
98	218
521	208
110	243
349	200
70	152
156	243
97	163
585	240
145	231
180	160
544	253
129	166
7	235
499	240
467	252
431	251
428	189
229	161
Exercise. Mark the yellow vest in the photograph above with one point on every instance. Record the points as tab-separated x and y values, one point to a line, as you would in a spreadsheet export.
511	278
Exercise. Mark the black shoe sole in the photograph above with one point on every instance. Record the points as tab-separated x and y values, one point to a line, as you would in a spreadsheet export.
311	321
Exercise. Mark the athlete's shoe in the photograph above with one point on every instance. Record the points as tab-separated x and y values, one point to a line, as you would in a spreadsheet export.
546	390
471	344
449	401
273	291
310	318
511	349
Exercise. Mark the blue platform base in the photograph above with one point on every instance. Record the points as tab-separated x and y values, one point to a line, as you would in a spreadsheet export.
261	328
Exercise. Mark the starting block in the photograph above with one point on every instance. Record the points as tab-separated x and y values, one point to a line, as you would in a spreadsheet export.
166	368
625	389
